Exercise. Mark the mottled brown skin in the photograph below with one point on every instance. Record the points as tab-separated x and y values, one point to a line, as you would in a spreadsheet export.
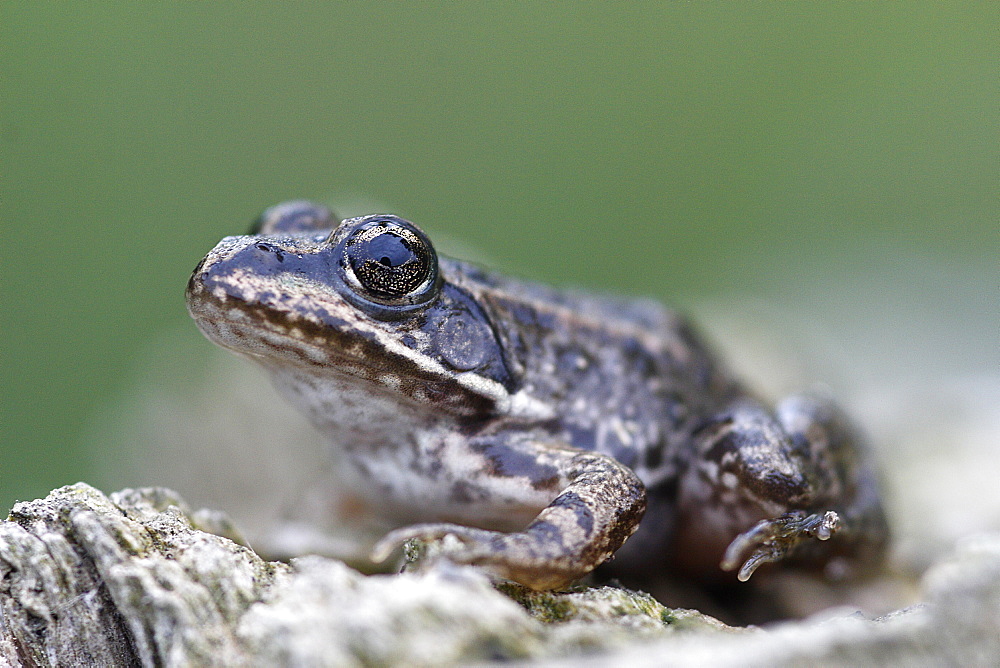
542	428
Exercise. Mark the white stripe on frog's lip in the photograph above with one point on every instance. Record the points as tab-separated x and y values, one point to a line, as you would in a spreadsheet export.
221	313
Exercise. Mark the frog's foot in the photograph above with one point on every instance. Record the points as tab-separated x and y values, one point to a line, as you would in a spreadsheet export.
515	556
473	543
771	540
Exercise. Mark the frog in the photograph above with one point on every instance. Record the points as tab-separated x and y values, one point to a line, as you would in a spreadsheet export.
535	433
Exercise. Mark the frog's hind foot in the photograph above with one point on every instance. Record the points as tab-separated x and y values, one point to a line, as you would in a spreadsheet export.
772	540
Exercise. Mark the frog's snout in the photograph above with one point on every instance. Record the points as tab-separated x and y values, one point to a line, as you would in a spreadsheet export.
218	275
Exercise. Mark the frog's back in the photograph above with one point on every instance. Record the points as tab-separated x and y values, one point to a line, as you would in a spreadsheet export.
628	378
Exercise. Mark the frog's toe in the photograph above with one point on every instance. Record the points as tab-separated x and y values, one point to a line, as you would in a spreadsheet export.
773	539
473	541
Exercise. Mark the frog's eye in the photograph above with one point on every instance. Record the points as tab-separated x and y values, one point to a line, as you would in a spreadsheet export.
294	217
387	260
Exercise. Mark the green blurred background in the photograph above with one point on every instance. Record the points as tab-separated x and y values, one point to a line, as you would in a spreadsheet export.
676	150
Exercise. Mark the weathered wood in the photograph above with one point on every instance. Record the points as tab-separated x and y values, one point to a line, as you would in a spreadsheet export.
133	579
125	580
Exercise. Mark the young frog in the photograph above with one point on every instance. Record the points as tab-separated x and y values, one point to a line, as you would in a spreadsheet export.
541	428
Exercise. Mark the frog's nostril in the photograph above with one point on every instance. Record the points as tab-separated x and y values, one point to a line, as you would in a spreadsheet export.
268	248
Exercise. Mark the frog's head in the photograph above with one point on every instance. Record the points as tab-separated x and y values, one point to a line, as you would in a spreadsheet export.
368	305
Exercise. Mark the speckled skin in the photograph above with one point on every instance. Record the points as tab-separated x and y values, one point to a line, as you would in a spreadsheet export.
540	427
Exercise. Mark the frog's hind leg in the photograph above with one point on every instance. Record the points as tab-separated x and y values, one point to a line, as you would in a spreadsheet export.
761	486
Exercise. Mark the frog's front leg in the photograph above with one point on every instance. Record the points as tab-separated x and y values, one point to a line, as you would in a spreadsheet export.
598	504
799	481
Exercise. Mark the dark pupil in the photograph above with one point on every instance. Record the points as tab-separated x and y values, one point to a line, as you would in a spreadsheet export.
387	264
390	250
